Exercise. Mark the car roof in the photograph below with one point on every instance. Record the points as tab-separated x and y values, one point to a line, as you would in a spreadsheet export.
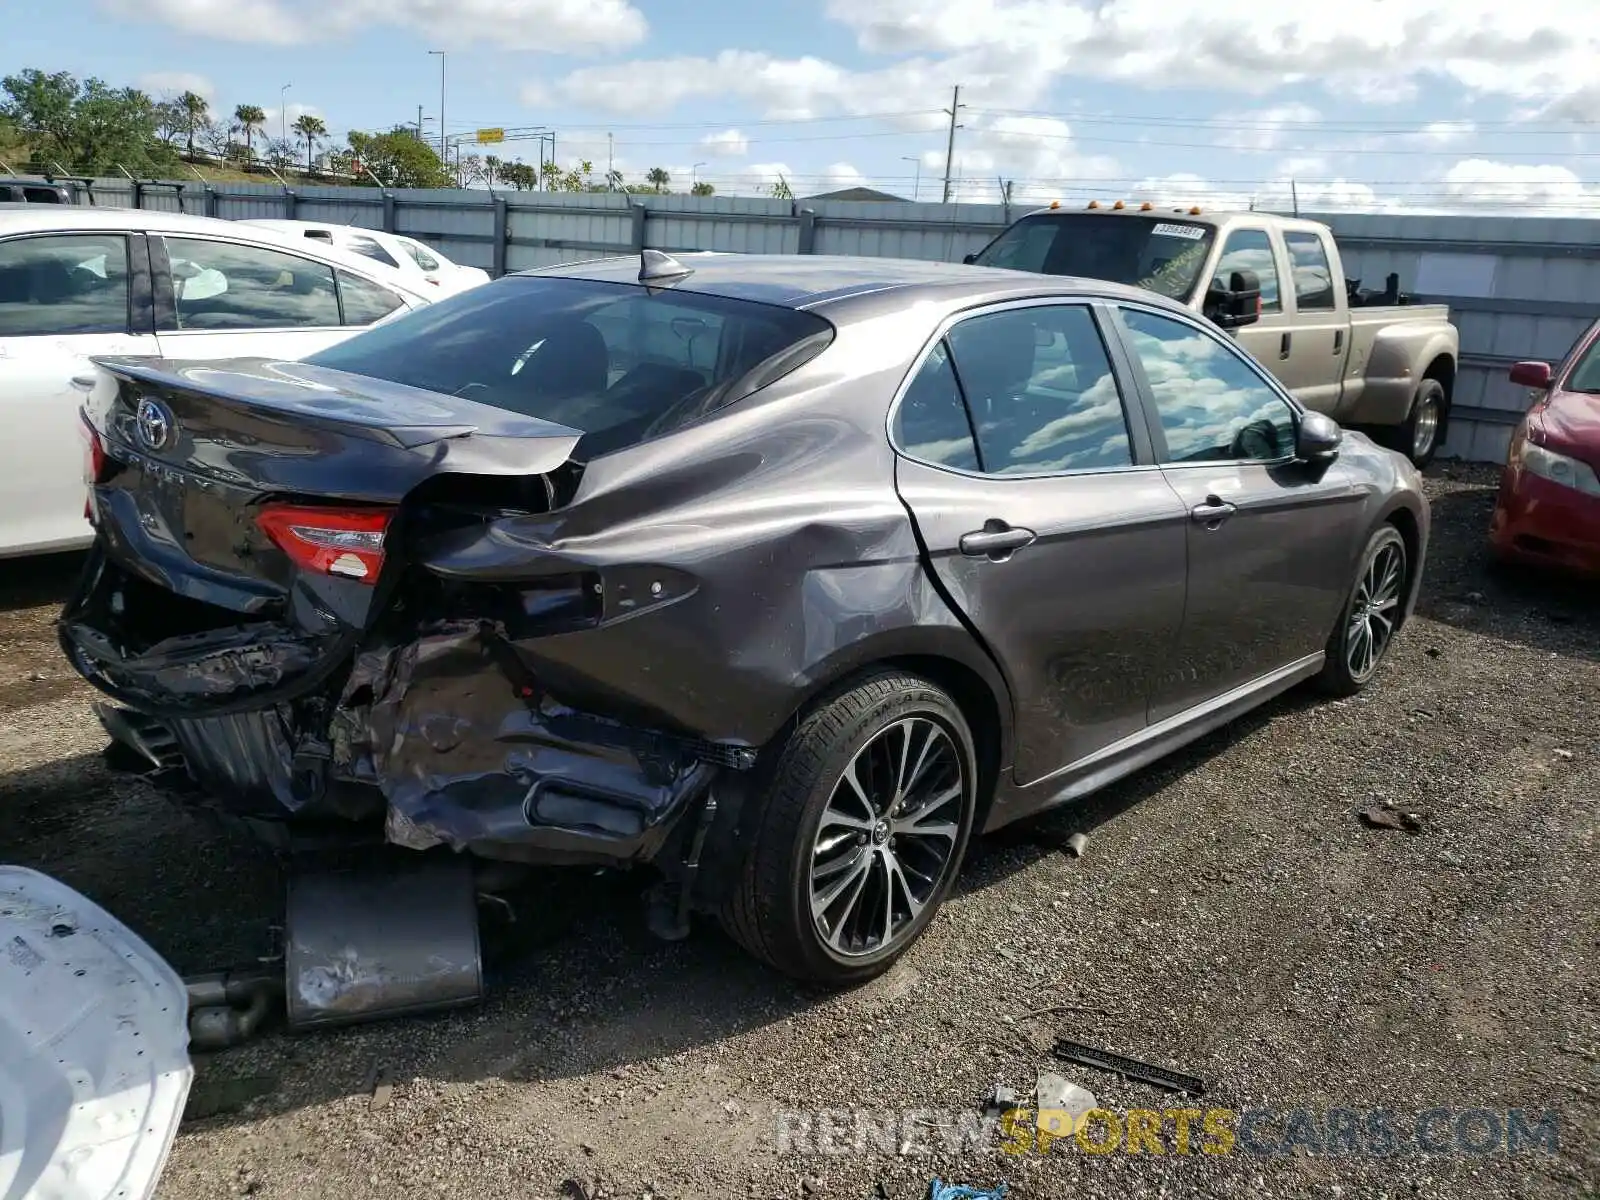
823	282
45	218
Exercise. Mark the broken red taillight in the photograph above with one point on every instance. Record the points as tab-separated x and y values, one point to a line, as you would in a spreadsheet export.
346	543
94	461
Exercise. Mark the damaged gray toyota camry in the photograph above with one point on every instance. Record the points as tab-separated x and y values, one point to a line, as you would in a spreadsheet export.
783	575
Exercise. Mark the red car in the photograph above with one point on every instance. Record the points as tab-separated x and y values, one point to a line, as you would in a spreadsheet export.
1548	511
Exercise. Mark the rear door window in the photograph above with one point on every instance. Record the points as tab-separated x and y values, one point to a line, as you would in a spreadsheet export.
613	360
1313	277
64	283
225	285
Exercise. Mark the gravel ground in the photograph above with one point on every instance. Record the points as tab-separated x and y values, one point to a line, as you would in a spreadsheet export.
1232	917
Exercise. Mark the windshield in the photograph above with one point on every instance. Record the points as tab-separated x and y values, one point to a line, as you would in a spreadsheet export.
619	362
1159	255
1585	373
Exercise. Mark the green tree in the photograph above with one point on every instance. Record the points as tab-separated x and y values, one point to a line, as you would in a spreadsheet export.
313	130
171	122
658	178
197	115
491	168
780	190
702	188
614	181
249	117
520	175
398	158
41	106
115	127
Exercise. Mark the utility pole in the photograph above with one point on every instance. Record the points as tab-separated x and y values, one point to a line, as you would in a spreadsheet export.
950	146
283	112
610	158
419	122
1294	196
444	148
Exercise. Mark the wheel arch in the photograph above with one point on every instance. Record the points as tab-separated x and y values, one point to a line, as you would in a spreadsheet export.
1409	526
947	658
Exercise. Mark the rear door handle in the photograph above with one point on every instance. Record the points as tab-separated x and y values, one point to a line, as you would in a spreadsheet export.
996	540
1283	345
1213	512
1338	340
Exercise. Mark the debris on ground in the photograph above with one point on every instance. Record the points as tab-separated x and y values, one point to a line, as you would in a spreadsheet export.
1564	755
999	1101
1077	844
1129	1068
1060	1105
1381	816
939	1190
382	1087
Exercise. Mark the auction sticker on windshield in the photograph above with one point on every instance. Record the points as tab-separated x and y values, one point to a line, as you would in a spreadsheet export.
1193	232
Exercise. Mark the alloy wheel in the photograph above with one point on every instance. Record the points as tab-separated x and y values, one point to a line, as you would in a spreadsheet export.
1425	426
1375	611
887	836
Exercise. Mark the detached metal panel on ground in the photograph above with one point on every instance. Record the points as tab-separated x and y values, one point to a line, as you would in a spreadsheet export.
1518	287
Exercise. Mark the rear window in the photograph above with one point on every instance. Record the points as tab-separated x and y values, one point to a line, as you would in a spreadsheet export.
618	362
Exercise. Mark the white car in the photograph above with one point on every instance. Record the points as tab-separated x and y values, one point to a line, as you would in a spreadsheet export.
417	264
76	282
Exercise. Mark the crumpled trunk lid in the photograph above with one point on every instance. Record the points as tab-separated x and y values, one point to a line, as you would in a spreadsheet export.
190	603
94	1060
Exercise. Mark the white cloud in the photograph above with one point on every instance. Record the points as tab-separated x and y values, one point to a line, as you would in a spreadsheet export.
548	25
842	175
171	84
763	175
1476	183
1007	53
275	124
1280	194
1445	133
1265	128
730	143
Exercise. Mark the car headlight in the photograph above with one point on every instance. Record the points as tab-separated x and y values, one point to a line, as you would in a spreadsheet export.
1558	468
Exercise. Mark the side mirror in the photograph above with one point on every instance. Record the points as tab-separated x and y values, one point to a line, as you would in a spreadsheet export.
1532	374
1239	305
969	259
1317	437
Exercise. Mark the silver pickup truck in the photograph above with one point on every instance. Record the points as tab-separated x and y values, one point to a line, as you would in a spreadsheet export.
1366	358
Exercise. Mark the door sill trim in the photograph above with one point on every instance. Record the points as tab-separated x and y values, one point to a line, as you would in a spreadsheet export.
1138	750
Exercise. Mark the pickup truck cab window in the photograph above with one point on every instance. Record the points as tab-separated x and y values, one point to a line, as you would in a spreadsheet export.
1313	277
1250	250
1161	255
1212	404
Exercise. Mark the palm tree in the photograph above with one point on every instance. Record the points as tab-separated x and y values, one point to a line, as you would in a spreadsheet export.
658	178
196	112
702	188
313	130
250	118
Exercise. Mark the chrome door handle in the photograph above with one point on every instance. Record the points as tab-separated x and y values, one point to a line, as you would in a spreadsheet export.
1213	512
996	540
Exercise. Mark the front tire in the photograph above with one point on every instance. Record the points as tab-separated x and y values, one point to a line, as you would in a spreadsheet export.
1370	617
865	822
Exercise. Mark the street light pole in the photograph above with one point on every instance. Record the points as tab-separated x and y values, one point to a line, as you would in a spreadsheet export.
444	149
283	112
916	183
694	175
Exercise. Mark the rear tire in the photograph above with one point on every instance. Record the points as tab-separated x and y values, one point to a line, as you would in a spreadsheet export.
872	800
1370	617
1419	436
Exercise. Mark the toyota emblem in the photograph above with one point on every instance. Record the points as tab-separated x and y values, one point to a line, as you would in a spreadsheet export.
155	423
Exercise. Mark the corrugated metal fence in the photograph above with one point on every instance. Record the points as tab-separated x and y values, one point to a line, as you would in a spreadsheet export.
1519	287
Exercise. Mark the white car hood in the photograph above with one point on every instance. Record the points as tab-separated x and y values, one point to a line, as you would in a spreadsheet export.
94	1058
